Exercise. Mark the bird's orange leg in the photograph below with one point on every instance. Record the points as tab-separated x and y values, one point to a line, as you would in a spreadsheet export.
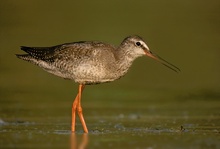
77	106
74	113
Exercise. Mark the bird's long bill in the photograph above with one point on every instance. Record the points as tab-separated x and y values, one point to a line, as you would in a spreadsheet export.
162	61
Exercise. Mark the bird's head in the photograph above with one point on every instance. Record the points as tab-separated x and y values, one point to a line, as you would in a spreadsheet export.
136	47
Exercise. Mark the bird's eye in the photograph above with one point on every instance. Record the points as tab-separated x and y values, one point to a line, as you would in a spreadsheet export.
138	43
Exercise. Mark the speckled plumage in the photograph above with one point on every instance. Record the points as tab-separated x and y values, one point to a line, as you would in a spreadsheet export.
89	63
86	62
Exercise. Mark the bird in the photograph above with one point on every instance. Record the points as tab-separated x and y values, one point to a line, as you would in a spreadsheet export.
90	63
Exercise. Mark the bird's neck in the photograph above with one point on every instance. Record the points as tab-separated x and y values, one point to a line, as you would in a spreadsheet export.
124	61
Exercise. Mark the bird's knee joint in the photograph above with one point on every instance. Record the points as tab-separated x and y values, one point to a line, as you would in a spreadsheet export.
73	107
79	109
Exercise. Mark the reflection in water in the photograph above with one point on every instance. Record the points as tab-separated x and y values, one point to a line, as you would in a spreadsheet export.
78	144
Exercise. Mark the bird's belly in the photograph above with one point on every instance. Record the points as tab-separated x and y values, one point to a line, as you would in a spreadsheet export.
83	73
89	74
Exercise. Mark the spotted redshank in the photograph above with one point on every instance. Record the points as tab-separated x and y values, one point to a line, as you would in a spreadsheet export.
89	62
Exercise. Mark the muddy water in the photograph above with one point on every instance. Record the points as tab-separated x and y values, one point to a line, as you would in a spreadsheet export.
183	124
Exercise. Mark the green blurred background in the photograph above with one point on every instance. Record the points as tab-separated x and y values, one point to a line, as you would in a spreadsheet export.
185	33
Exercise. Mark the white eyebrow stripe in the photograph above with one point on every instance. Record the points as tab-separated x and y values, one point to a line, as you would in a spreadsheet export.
144	45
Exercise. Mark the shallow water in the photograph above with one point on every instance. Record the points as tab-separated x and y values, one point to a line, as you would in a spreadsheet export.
168	125
150	108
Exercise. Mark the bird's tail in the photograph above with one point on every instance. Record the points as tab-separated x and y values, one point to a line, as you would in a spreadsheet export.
27	57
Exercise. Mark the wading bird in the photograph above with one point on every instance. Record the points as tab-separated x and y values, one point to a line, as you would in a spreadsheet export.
89	62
